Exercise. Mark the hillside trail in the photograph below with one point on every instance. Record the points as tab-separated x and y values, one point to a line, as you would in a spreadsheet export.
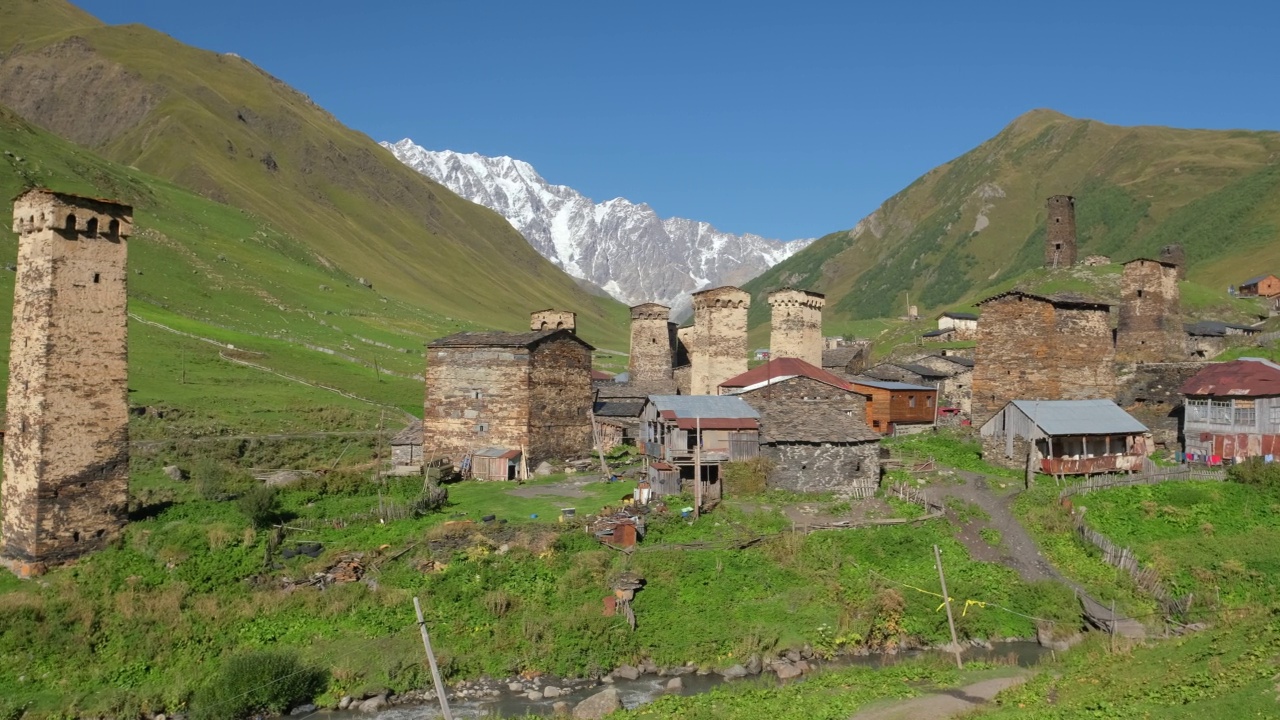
942	704
1017	549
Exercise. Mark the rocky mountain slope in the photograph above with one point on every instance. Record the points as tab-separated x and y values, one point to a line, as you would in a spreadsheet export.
218	125
977	222
618	245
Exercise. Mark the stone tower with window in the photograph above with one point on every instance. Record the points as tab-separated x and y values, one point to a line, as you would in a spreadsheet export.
796	325
1060	235
719	338
66	451
1149	327
652	346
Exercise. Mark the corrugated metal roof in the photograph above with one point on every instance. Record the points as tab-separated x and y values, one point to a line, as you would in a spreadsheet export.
704	406
1254	280
886	385
496	452
1079	417
1245	377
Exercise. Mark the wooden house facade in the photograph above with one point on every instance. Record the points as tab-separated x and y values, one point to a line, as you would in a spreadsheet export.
1233	411
895	407
695	435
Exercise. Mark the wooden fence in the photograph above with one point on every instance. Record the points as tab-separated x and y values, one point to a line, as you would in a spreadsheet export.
1105	482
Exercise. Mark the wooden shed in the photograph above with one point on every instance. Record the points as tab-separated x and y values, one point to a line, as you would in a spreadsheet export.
494	463
1070	437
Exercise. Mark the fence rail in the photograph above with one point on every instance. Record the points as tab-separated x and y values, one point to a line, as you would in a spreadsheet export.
1106	482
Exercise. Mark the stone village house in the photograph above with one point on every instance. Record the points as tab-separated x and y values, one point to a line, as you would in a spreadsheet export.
524	393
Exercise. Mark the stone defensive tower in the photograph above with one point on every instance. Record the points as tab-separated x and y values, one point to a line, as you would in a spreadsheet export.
553	320
651	346
796	329
719	338
66	452
1149	328
1060	235
1176	256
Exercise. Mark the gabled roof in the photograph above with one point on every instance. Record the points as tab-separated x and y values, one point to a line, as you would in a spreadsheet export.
1246	377
784	367
887	385
503	339
1255	280
1063	299
922	370
939	332
411	435
958	359
814	422
960	315
1079	417
1216	328
839	357
710	412
1166	263
619	408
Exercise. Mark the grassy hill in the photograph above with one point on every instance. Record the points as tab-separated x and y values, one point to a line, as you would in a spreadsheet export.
219	126
977	222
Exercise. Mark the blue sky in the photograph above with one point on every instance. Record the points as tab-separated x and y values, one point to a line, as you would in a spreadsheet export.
784	119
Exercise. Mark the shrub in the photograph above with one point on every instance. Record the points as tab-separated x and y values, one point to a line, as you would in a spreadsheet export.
746	477
261	505
1255	472
256	682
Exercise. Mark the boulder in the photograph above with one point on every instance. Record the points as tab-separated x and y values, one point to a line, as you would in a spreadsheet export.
733	672
598	705
560	707
675	684
544	469
753	664
551	691
174	472
786	671
648	667
1060	644
533	695
515	687
303	709
793	655
345	702
626	672
374	704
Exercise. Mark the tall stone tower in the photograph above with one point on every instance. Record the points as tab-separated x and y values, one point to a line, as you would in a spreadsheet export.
797	325
1176	256
1149	327
719	338
1060	235
66	451
553	320
651	346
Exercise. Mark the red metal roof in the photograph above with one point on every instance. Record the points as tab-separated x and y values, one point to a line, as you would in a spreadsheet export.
660	465
784	367
1240	378
717	423
601	375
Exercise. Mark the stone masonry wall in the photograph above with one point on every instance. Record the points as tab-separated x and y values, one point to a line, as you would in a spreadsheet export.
651	345
476	397
553	320
808	389
1030	349
796	326
66	458
719	338
560	399
849	470
1060	232
1149	327
1149	392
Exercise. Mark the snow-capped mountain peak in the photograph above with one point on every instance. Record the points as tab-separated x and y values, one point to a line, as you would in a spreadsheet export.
620	246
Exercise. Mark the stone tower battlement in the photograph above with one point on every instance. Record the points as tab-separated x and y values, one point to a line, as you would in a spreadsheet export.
66	454
553	320
652	344
796	327
1176	256
718	349
1060	232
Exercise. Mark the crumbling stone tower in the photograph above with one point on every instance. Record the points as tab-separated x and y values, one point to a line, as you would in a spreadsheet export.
553	320
1149	328
1060	235
66	454
1176	256
719	338
796	329
651	344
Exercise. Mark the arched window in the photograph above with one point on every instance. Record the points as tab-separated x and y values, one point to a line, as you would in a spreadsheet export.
71	222
91	227
113	229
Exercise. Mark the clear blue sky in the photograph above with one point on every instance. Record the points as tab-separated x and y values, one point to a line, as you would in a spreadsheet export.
787	119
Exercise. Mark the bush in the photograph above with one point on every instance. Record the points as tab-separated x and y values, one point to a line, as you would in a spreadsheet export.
1255	472
746	477
255	682
261	505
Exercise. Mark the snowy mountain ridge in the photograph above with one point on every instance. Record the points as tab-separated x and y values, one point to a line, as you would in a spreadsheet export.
621	246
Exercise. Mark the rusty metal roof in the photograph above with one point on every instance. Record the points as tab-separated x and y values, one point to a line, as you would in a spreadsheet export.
1246	377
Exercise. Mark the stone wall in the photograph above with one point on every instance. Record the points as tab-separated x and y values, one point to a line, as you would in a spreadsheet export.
849	470
801	388
553	320
560	398
651	344
476	397
995	451
796	325
1149	392
1035	348
1177	257
1060	232
1149	327
719	338
66	456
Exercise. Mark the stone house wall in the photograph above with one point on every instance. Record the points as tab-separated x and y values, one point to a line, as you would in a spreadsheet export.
1150	393
651	344
849	470
1149	327
560	400
1034	348
807	389
476	397
66	454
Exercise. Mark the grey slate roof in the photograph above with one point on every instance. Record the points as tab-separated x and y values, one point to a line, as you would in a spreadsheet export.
633	390
500	339
705	406
922	371
939	333
1079	417
840	356
886	385
808	421
1216	328
960	315
619	408
411	435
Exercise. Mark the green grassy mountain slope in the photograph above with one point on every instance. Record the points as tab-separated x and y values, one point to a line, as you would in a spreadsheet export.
221	127
977	222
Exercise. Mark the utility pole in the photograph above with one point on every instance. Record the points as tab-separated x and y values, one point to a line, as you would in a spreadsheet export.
697	468
431	659
946	600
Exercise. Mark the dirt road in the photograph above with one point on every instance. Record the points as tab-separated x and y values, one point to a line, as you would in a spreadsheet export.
942	704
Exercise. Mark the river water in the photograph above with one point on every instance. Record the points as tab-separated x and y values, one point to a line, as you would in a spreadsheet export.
647	688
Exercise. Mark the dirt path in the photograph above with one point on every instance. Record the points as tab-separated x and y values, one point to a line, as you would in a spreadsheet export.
944	703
